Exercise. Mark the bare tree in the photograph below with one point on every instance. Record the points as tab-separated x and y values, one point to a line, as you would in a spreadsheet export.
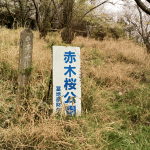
41	15
18	10
67	33
139	21
145	34
46	12
68	12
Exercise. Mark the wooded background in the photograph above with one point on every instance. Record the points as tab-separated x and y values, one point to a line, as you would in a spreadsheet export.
79	17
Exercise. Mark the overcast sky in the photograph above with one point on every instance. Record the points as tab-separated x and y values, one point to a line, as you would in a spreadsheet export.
117	8
116	11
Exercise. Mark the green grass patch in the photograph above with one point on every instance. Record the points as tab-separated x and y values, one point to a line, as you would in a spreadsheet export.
7	71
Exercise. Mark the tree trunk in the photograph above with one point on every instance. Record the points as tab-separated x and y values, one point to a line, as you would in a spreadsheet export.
147	43
67	35
67	12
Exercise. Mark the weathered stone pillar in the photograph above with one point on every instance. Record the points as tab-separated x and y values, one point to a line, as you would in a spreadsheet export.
25	61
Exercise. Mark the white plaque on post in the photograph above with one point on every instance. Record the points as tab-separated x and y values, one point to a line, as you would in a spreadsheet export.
66	80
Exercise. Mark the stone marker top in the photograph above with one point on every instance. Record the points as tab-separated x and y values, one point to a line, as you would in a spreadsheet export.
27	30
26	39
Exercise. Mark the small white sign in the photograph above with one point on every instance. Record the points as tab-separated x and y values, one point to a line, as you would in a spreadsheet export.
66	80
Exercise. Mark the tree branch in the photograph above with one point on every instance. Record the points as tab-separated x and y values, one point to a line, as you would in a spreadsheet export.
134	24
56	8
142	6
141	21
37	14
8	9
91	10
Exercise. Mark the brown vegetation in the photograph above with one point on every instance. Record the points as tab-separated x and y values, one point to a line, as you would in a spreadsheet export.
106	66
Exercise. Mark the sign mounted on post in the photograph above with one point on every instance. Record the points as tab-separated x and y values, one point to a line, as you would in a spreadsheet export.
66	80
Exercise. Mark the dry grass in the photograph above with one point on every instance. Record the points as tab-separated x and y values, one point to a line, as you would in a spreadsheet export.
107	66
117	61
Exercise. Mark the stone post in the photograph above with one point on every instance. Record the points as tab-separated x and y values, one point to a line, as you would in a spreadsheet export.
25	61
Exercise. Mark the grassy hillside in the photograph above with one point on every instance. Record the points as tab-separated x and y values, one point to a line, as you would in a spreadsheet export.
115	97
